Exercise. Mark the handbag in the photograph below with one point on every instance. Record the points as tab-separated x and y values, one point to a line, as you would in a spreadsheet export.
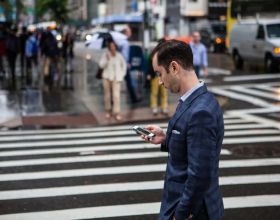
99	73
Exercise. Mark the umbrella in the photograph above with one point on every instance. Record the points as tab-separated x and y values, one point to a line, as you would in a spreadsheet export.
99	40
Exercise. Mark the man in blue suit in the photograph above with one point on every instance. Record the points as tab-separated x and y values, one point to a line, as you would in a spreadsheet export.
193	139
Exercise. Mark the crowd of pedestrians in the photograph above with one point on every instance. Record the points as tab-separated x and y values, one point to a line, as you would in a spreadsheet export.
136	62
41	57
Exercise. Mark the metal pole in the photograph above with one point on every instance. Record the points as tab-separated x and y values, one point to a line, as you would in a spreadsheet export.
146	36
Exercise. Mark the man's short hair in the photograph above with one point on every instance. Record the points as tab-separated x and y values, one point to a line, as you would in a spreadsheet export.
173	50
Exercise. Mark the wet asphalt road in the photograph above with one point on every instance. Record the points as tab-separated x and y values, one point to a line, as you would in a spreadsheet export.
109	173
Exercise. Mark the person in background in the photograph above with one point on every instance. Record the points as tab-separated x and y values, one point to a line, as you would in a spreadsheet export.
22	42
193	139
67	51
124	48
2	50
31	53
51	64
157	91
114	70
200	59
68	57
12	49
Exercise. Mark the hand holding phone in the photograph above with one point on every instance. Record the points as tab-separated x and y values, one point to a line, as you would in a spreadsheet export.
141	131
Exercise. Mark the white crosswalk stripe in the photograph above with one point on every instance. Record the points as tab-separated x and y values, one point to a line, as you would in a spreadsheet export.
263	95
112	164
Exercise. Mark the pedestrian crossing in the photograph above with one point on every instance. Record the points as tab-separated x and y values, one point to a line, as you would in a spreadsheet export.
263	95
110	173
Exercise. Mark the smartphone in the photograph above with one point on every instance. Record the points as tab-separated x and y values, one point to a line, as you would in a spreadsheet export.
142	131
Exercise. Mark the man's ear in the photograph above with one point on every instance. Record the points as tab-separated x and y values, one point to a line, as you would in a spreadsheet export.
174	67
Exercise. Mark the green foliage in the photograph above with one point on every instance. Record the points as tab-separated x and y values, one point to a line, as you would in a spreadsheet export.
6	5
56	8
8	8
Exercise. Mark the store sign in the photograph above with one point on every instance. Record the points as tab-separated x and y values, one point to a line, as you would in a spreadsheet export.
194	8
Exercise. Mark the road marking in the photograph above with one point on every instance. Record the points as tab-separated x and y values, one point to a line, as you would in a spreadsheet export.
270	109
258	119
91	158
128	169
218	71
84	150
93	134
128	131
93	149
136	209
248	140
80	130
251	77
255	92
124	140
124	187
252	201
236	121
64	150
248	85
267	88
245	126
251	132
80	159
238	96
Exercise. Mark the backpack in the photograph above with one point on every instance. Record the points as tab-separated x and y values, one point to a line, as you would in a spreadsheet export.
34	47
31	47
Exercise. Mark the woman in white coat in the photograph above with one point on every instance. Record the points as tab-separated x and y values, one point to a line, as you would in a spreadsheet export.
114	70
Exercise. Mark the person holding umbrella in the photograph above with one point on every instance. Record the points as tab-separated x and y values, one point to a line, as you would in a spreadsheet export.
100	39
114	70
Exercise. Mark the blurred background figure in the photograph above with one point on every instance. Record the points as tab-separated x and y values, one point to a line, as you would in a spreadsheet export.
51	64
12	49
124	47
31	53
114	66
23	60
157	92
2	51
200	59
68	56
136	71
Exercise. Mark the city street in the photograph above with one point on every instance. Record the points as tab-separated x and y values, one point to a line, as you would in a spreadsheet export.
90	168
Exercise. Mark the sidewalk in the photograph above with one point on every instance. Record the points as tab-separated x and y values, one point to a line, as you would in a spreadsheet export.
81	107
29	108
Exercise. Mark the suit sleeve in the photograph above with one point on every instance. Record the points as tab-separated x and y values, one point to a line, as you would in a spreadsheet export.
163	147
203	159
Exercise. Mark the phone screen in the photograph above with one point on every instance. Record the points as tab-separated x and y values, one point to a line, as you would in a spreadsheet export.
142	131
145	132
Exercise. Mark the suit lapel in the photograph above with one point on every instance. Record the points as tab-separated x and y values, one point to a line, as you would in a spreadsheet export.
185	105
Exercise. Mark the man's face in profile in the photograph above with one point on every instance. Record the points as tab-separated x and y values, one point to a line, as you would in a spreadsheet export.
196	37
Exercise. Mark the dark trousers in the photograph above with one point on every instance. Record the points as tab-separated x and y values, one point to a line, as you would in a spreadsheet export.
29	62
202	214
12	56
130	87
22	64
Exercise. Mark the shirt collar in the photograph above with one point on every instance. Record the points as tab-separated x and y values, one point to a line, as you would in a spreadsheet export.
188	93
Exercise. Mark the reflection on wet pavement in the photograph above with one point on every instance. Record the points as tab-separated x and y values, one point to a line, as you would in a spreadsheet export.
9	107
82	101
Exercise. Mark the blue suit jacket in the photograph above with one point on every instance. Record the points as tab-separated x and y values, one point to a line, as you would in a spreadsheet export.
194	139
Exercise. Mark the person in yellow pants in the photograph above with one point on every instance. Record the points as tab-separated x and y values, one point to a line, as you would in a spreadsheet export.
158	92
